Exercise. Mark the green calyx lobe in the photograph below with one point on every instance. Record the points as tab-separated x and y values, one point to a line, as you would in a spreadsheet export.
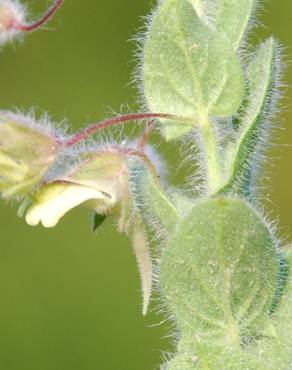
190	69
150	198
26	153
219	277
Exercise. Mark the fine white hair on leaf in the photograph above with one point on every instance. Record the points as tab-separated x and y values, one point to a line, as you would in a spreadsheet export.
267	129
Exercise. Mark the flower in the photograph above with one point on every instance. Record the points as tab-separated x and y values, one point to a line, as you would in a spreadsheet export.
98	180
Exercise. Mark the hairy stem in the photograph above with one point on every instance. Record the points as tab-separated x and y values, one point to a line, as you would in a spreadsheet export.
40	22
118	120
213	170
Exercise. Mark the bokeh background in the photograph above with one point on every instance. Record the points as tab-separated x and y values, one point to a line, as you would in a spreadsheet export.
69	298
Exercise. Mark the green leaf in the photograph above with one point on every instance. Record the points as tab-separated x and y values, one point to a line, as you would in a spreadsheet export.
202	8
98	220
283	276
263	76
189	69
232	19
181	201
220	270
281	353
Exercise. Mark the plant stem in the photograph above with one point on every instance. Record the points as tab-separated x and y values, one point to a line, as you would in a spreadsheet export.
118	120
40	22
213	170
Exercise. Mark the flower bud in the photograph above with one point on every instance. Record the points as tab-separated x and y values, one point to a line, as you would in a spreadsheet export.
26	152
11	13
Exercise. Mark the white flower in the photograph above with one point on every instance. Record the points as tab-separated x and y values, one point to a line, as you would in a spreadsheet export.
99	181
55	200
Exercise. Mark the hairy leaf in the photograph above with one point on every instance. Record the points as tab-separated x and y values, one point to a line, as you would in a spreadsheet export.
282	353
232	19
189	69
181	201
263	76
220	270
203	8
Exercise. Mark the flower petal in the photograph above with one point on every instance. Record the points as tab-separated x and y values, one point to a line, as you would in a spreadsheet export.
56	199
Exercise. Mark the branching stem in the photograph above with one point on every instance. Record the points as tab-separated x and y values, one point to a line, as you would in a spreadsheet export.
118	120
129	152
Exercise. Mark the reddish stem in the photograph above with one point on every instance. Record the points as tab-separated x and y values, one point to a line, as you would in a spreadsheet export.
118	120
145	136
44	19
138	154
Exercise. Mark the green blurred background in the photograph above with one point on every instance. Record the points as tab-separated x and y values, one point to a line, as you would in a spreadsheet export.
70	299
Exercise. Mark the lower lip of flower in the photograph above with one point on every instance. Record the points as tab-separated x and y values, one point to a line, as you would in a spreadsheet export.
56	200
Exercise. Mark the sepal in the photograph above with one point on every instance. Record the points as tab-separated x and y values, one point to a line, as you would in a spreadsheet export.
27	150
155	206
